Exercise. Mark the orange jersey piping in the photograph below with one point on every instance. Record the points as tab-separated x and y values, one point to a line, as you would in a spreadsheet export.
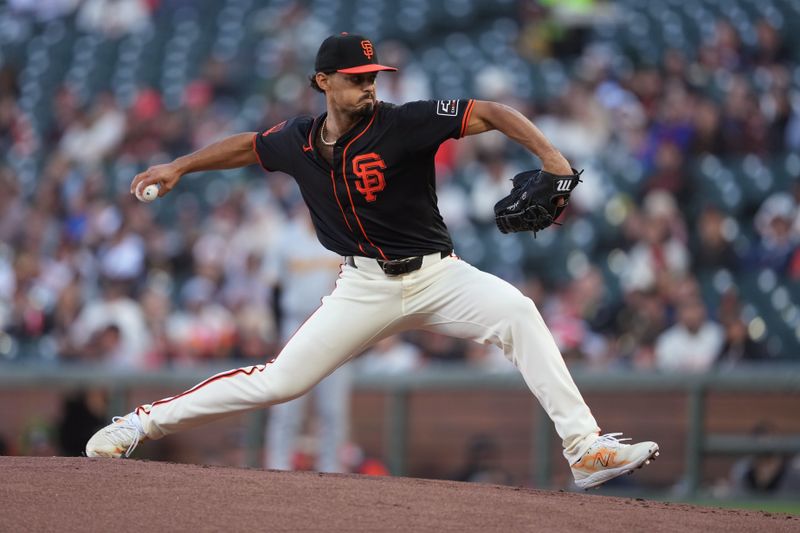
333	182
344	176
465	120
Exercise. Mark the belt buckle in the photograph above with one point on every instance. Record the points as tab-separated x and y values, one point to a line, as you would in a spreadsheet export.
397	267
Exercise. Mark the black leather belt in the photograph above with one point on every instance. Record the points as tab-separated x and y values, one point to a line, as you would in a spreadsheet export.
396	267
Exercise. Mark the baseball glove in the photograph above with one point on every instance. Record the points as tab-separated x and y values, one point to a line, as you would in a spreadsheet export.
533	203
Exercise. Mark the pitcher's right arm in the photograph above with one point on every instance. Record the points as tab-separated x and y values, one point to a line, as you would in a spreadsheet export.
231	152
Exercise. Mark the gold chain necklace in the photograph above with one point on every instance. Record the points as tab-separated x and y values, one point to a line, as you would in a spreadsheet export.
322	134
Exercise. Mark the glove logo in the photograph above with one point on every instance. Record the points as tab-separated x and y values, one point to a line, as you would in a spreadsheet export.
563	185
370	180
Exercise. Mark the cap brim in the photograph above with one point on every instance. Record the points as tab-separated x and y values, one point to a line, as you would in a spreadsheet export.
365	68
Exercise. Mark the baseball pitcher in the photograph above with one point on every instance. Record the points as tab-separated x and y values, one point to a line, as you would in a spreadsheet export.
365	169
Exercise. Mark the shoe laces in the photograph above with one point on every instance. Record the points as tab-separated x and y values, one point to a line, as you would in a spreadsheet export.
119	431
610	440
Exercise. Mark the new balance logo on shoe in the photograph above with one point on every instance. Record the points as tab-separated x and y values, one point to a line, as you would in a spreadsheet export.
608	457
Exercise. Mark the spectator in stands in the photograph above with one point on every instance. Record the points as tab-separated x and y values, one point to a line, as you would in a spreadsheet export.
744	128
668	138
306	272
114	18
113	326
766	474
577	123
202	330
778	240
489	183
660	253
739	346
411	84
776	108
122	253
728	45
27	320
638	323
770	47
712	247
249	297
706	124
692	344
13	208
453	200
669	172
60	223
95	134
157	308
571	317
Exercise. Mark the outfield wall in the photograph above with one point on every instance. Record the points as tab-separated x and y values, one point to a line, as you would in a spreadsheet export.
420	424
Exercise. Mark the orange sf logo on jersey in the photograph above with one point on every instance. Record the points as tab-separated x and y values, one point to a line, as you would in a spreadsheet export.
370	180
367	47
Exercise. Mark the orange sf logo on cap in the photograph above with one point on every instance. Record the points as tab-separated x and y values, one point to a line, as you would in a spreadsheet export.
367	47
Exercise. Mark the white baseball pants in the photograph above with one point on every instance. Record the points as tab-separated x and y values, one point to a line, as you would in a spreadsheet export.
447	296
332	404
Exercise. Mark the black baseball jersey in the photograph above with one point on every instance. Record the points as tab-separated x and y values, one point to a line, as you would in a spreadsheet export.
379	198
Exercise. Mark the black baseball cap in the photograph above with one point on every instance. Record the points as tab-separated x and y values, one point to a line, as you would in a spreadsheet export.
348	53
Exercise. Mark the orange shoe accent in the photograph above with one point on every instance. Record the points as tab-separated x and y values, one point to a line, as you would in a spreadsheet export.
604	458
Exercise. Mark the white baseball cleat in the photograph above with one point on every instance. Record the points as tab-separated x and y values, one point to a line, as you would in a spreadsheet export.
118	438
608	458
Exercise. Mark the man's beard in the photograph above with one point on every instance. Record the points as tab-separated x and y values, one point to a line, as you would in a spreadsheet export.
366	111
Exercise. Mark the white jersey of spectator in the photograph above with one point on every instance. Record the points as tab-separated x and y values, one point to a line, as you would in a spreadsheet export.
89	141
114	18
306	272
453	203
678	349
261	228
644	263
124	257
692	344
127	315
490	182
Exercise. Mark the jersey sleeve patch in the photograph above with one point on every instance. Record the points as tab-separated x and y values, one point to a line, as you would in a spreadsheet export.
447	108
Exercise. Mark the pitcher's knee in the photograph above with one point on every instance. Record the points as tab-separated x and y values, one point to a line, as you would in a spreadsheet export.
522	309
282	388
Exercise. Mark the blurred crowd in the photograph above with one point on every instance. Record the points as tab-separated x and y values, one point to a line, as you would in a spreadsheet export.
88	274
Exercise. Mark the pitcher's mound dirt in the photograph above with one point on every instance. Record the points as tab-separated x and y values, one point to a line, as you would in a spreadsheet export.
78	494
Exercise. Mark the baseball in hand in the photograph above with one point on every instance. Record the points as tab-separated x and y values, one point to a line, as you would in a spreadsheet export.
149	193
